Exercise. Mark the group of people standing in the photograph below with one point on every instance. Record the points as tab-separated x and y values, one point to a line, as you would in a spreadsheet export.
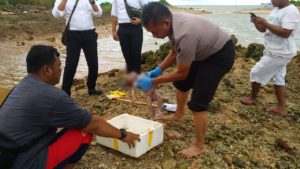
203	54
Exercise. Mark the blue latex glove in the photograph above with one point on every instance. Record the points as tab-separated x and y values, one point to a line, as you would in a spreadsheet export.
155	72
144	83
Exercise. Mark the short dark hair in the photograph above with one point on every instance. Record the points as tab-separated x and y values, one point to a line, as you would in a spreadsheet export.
154	12
39	56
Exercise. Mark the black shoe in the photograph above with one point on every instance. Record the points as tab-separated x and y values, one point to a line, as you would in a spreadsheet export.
94	92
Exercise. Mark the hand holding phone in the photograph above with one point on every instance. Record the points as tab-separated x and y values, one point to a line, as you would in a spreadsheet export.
252	15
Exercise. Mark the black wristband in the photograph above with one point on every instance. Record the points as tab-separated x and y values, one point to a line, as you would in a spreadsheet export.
123	134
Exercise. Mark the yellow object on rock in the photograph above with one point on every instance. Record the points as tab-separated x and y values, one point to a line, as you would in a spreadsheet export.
116	94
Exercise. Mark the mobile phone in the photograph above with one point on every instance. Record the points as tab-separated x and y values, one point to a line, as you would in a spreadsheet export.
252	15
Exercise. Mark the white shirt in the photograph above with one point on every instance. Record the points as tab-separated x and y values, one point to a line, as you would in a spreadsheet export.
119	10
288	18
82	18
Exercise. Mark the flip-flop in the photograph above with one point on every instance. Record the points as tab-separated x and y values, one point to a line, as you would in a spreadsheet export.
248	101
276	111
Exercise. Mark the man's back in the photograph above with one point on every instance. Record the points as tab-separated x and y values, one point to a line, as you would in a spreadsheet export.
34	110
25	113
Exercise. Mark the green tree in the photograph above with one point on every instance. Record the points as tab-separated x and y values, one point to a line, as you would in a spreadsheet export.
106	7
295	2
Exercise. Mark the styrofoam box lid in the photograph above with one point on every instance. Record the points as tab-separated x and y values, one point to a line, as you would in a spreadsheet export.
134	124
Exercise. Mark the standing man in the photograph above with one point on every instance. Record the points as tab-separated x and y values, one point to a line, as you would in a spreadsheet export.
203	54
280	48
82	35
129	33
35	109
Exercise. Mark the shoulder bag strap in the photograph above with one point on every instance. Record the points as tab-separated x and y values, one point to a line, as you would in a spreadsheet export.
68	24
127	7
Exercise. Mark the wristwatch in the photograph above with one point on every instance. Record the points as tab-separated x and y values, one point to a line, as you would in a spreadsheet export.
92	2
123	134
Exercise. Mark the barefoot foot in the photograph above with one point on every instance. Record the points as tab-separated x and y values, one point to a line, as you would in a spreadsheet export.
191	151
248	101
171	117
157	114
173	134
277	111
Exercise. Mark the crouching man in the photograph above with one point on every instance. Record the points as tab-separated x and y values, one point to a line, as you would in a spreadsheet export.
33	111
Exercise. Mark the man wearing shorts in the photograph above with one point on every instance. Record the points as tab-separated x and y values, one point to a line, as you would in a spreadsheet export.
203	54
279	50
35	109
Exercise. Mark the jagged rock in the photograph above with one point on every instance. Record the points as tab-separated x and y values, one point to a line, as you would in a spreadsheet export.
168	154
51	39
215	106
79	87
283	145
20	43
78	82
151	59
255	51
183	164
238	162
228	159
234	40
195	165
169	164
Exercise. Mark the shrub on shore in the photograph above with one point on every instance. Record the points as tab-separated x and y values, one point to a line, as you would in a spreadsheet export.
46	3
295	2
106	7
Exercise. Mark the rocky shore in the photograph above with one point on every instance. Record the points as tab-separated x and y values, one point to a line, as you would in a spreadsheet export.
238	136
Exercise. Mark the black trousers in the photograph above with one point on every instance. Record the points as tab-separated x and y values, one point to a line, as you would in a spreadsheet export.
131	41
204	77
77	40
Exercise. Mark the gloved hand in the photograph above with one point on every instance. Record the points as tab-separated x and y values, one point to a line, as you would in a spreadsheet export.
144	83
155	72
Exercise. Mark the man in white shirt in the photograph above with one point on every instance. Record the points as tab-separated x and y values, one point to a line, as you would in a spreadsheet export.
82	35
280	48
129	33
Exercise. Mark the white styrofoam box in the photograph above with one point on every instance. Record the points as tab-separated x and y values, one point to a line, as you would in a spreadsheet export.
151	134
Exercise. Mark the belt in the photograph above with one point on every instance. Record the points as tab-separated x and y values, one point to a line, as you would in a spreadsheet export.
90	30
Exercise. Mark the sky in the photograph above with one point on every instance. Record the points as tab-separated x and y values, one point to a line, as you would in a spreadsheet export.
213	2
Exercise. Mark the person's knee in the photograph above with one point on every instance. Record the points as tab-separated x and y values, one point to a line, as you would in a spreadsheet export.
198	107
86	138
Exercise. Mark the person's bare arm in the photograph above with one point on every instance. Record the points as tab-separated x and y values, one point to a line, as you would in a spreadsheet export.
278	30
94	6
259	27
169	60
62	5
114	23
180	74
101	128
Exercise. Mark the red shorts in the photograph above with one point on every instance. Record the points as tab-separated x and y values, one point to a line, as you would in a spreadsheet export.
68	147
